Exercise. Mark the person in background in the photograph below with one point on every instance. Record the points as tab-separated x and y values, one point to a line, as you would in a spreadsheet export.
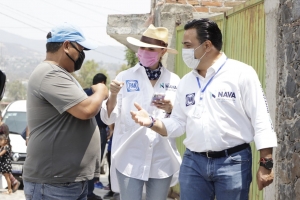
5	159
140	156
110	193
98	78
15	184
221	107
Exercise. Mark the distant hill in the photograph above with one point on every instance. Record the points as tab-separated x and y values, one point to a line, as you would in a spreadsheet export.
106	54
19	56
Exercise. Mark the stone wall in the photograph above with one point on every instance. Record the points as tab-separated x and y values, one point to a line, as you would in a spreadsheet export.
288	113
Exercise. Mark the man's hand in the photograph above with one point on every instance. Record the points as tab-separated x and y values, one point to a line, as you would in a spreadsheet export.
264	177
115	87
164	104
100	87
110	133
141	116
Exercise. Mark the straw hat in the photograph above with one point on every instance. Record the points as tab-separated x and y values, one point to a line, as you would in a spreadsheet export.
155	37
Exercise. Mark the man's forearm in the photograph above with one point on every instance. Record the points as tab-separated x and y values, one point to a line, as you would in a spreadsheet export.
266	153
160	128
111	103
95	104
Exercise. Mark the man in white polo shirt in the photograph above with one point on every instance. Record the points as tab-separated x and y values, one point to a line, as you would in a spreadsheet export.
221	106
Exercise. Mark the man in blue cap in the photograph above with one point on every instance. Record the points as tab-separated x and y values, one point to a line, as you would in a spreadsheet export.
64	141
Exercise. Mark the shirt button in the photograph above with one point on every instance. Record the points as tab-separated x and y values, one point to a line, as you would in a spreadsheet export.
150	145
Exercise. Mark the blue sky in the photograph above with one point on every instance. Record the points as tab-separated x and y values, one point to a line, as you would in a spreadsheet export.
34	18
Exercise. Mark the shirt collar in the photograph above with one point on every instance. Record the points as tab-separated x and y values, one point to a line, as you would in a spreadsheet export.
218	63
138	66
215	67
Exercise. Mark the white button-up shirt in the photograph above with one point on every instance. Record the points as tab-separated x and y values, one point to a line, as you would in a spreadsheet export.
235	109
139	152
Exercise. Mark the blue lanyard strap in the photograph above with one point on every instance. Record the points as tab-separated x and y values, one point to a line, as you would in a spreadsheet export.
198	80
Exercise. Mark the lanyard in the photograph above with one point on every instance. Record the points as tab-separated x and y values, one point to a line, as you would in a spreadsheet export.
198	80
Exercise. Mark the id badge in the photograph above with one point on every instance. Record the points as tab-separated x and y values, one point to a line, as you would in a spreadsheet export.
199	108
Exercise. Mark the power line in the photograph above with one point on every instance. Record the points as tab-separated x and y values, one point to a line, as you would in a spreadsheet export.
48	27
81	15
35	27
70	11
53	25
97	6
23	22
35	18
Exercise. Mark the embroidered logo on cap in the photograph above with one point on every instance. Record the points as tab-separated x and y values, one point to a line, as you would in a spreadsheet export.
190	99
132	85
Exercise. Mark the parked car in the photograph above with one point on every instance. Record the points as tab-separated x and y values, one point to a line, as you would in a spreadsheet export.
14	116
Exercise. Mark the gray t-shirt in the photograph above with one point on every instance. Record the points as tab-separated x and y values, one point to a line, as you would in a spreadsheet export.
61	147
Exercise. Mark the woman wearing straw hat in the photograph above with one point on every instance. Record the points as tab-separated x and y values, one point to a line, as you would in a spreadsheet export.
140	156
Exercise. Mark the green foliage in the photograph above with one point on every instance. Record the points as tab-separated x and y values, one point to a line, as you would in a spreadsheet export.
87	72
130	57
123	68
16	91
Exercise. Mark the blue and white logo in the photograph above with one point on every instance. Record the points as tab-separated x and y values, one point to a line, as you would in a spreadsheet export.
132	85
190	99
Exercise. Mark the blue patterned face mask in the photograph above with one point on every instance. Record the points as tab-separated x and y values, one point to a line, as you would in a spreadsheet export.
153	74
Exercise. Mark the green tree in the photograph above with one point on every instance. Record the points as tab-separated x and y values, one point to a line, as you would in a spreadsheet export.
130	57
16	91
123	68
87	72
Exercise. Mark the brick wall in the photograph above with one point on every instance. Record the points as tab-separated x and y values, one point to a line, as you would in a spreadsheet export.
209	6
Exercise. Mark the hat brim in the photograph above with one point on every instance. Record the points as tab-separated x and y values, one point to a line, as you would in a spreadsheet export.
139	43
88	44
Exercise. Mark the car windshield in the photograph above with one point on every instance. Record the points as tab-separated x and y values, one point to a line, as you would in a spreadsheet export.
16	121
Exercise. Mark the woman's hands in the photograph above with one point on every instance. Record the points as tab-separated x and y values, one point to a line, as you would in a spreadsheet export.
164	104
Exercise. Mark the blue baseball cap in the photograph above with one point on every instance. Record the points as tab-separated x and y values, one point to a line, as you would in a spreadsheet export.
70	32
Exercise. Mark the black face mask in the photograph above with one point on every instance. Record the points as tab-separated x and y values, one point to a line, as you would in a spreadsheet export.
79	61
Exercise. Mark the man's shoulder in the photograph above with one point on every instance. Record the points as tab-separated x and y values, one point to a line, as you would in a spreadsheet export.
236	64
43	69
51	72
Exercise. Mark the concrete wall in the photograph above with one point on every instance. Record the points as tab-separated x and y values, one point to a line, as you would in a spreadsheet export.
271	11
288	100
171	16
120	27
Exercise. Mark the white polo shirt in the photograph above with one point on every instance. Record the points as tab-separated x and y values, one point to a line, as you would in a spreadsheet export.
139	152
235	109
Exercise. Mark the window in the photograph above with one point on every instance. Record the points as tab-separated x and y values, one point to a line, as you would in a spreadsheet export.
16	121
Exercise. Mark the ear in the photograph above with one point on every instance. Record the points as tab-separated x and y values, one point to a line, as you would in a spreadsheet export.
66	46
208	46
163	53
